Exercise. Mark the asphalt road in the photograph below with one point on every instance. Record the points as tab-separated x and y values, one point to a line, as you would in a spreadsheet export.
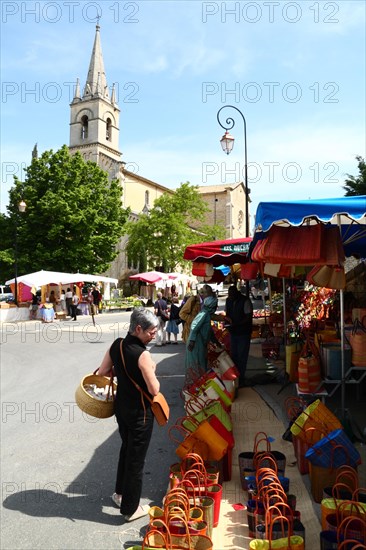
57	464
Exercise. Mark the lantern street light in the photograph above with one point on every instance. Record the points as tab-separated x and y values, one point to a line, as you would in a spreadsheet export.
21	207
227	144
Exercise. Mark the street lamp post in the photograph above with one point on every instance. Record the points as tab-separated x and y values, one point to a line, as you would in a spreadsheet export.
21	207
227	144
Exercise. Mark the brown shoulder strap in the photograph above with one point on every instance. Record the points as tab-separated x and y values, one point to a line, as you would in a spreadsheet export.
130	377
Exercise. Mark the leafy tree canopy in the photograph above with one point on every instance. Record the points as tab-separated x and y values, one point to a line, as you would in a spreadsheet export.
356	185
73	218
158	239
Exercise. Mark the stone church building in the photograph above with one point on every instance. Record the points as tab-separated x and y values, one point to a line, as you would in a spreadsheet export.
94	132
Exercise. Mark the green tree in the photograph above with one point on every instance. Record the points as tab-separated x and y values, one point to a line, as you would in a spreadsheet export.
175	221
73	219
356	185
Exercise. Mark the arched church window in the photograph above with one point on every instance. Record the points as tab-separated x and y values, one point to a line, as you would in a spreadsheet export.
84	127
147	196
108	134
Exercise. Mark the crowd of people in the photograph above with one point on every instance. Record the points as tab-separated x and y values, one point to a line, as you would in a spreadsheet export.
130	361
67	303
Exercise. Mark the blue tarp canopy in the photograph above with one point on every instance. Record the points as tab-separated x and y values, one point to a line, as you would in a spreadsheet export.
349	213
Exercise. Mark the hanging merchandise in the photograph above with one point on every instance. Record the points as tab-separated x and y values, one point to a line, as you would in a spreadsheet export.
327	277
202	269
249	271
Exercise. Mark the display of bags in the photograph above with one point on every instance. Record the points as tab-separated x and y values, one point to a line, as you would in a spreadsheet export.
196	484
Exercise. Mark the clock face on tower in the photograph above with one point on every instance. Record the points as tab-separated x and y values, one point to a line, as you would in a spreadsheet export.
240	219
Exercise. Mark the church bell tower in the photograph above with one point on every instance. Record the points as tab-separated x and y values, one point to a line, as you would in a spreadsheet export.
94	120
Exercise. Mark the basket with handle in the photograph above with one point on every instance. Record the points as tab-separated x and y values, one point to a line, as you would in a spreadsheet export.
318	416
347	509
92	405
323	477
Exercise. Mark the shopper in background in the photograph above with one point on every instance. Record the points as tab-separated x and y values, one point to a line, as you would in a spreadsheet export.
200	335
239	316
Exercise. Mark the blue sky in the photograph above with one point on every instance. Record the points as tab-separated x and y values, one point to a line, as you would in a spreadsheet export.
296	70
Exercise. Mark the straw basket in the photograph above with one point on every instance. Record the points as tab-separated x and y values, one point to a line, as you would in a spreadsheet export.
91	405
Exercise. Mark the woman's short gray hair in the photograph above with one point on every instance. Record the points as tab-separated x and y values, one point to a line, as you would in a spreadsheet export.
143	317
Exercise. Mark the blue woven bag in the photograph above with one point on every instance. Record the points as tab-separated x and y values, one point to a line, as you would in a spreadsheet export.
334	450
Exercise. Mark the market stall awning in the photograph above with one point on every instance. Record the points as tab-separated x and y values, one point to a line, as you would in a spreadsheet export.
217	253
149	277
41	278
349	213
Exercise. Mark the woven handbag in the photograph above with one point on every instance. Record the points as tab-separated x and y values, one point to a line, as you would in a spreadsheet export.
340	491
289	542
320	454
205	503
246	458
317	416
210	408
184	541
91	404
323	477
202	487
309	368
204	441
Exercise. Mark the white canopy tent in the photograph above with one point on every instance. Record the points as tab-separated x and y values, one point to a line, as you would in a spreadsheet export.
42	278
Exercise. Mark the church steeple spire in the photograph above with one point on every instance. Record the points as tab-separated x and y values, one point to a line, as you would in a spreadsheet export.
94	116
96	81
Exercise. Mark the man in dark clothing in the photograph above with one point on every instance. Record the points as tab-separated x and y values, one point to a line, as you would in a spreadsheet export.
97	297
239	315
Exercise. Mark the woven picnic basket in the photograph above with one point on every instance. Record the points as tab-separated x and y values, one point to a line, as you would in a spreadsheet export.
91	405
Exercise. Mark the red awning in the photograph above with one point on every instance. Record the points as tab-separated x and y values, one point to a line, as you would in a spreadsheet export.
228	252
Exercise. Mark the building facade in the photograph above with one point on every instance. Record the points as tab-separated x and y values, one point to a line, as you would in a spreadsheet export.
94	132
227	208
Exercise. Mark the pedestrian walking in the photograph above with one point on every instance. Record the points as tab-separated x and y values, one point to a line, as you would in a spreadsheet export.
174	319
161	312
74	306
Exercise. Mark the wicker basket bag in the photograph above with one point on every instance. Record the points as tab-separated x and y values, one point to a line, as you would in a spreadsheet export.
92	405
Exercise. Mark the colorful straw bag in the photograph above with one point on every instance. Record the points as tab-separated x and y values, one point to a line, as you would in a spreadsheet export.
204	441
340	492
289	542
317	416
323	477
309	368
200	486
184	541
226	367
320	454
211	408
